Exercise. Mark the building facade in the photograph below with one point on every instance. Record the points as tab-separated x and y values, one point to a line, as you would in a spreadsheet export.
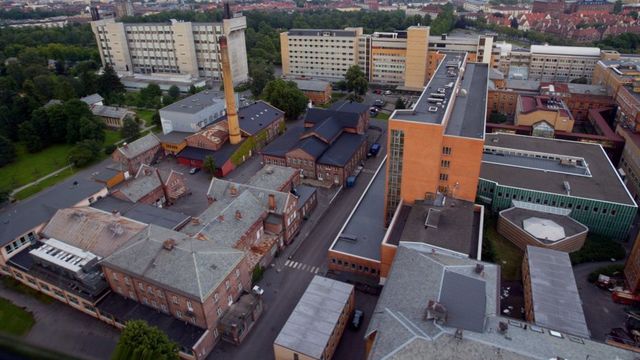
562	63
172	48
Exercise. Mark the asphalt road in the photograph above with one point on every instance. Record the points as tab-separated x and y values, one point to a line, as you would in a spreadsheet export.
284	285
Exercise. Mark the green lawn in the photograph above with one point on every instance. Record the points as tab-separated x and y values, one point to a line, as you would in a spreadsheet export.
29	167
14	320
25	193
382	116
505	253
145	115
111	137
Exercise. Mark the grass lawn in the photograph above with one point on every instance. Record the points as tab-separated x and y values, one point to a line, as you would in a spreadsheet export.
506	254
14	320
145	115
111	137
25	193
17	286
29	167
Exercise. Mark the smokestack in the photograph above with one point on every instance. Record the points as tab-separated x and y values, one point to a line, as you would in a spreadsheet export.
229	96
272	202
227	14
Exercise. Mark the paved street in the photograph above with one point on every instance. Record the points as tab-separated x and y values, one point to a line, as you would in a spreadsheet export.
601	313
61	328
284	285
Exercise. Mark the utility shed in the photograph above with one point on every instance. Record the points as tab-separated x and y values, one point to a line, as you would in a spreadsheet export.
550	293
315	326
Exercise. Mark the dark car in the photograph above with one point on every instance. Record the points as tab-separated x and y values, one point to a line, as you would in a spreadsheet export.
194	170
358	318
379	103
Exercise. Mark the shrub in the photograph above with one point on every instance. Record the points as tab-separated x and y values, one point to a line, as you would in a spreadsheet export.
598	248
609	270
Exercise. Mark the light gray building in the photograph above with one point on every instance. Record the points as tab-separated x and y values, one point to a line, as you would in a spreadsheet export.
193	113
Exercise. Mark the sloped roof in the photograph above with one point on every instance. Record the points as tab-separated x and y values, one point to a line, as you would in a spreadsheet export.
146	181
193	267
91	230
92	99
139	146
272	177
342	150
221	190
326	130
345	118
312	146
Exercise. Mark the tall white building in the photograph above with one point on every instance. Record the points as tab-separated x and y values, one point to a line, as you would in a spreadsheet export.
562	63
176	47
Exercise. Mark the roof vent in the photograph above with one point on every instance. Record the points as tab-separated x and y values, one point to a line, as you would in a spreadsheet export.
567	187
436	311
169	244
268	170
479	268
233	190
238	214
503	327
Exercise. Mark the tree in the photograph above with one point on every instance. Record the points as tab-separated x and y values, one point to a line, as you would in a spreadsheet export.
261	73
141	341
497	118
156	120
514	23
286	96
130	130
209	165
174	92
84	152
400	104
617	7
356	80
581	80
633	14
30	137
193	90
7	151
108	84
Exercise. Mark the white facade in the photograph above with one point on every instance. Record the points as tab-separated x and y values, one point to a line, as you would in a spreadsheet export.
193	113
172	48
562	63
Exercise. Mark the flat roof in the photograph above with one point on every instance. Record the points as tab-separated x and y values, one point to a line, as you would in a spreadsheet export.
442	81
517	215
272	177
366	223
468	117
196	102
321	32
602	184
554	293
315	317
311	85
565	50
454	226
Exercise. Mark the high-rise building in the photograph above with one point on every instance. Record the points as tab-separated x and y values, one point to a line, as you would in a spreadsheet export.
436	147
562	63
123	8
176	47
388	58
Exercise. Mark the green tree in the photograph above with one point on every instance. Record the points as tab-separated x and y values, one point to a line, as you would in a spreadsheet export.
141	341
156	120
582	80
286	96
209	165
29	136
356	80
130	130
7	151
261	73
633	14
84	152
174	92
617	7
400	104
193	90
109	85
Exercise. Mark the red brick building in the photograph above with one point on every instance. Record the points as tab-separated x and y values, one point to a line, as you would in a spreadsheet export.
548	6
145	150
149	187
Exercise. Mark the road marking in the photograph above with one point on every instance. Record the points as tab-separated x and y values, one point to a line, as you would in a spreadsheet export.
300	266
316	270
304	267
287	263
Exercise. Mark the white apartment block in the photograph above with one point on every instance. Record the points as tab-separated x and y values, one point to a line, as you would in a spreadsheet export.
480	47
562	63
175	47
387	58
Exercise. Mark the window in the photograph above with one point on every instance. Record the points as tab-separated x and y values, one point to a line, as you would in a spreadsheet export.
189	306
126	280
178	314
237	273
226	284
219	311
114	276
44	287
240	287
215	297
73	300
444	163
174	299
446	150
141	286
444	177
230	299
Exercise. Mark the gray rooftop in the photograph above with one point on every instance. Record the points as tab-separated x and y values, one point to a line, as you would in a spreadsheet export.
311	85
366	223
444	78
603	184
417	276
146	181
139	146
467	118
196	102
312	322
523	85
143	213
554	293
272	177
456	228
92	99
517	215
110	111
321	32
16	219
587	89
193	267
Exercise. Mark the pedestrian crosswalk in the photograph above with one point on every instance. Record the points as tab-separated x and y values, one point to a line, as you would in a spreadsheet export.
300	266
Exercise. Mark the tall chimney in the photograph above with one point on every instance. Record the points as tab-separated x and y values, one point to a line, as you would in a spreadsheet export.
229	96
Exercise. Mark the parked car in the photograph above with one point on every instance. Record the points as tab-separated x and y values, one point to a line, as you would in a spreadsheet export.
379	103
388	92
373	111
194	170
377	91
358	318
258	290
373	150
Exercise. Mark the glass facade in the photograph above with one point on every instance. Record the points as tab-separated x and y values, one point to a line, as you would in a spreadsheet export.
394	179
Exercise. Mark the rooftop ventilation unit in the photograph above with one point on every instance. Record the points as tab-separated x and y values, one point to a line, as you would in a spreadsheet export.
436	311
567	187
433	109
433	218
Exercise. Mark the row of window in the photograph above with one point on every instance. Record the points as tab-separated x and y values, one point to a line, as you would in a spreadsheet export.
20	242
561	204
354	266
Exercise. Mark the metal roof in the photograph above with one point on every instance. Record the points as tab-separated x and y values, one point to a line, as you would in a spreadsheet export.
315	317
565	50
554	293
311	85
196	102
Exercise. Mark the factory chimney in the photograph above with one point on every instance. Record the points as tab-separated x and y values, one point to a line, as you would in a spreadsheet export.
229	96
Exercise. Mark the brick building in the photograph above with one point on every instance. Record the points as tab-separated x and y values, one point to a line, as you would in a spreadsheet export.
150	187
319	92
545	115
193	280
145	150
328	148
548	6
632	267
